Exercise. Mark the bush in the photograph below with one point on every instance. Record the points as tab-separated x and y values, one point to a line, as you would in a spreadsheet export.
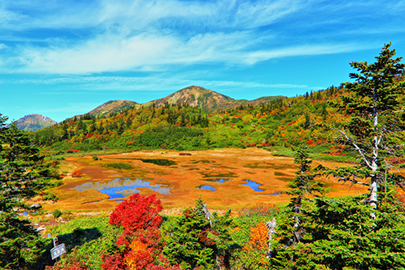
57	213
137	213
77	173
50	197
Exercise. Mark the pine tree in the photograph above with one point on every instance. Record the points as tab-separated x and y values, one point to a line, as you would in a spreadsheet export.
292	228
21	174
375	122
197	238
302	186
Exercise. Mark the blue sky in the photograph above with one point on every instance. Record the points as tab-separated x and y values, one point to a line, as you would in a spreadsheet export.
60	58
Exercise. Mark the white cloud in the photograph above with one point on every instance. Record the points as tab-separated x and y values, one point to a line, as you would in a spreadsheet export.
88	37
99	83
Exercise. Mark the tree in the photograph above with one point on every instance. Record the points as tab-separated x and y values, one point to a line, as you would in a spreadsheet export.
198	238
292	228
302	186
375	124
22	172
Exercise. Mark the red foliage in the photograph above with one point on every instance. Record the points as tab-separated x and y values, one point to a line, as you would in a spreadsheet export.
267	144
311	142
251	145
88	135
114	262
77	173
137	213
397	161
71	150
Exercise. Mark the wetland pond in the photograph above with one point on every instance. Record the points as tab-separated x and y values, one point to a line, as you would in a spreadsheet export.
121	187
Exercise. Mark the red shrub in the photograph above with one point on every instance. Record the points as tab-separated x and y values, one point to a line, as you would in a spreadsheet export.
77	173
137	213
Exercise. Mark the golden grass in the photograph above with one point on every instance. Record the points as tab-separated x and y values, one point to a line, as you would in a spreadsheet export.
189	172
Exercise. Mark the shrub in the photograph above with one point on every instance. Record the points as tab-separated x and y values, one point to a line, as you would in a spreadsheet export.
77	173
57	213
50	197
137	213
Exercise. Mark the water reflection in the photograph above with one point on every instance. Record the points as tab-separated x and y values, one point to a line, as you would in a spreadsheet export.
219	180
212	189
122	187
277	193
253	185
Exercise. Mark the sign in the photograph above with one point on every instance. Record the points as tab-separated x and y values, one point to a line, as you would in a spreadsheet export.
57	251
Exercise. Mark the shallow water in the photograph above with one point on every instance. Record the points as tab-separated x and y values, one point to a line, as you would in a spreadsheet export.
212	189
122	187
253	185
219	180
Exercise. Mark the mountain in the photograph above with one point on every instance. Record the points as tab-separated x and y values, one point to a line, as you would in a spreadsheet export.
33	122
205	99
195	96
112	107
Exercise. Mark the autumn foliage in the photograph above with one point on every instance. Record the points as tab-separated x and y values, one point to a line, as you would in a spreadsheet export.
137	213
77	173
258	237
140	245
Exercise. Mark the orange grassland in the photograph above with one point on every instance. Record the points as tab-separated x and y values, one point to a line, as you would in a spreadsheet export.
190	171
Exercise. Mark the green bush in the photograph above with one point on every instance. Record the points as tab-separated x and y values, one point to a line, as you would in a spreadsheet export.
57	213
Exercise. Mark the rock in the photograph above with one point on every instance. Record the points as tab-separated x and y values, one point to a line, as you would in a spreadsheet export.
35	205
41	228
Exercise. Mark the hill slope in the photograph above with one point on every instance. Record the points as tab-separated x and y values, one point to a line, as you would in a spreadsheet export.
111	107
199	97
33	122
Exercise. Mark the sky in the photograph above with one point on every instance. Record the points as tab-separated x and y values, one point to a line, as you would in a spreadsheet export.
61	58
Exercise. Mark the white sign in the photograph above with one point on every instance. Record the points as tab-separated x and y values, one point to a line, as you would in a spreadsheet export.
57	251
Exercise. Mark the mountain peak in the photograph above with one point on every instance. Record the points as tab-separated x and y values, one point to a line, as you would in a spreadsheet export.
197	96
33	122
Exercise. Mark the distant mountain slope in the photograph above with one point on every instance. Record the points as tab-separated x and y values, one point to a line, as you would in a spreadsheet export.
33	122
111	107
205	99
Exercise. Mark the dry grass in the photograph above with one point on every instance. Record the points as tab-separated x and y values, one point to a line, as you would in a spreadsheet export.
189	172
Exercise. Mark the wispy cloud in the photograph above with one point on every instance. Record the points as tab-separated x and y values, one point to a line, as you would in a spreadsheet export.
97	83
91	37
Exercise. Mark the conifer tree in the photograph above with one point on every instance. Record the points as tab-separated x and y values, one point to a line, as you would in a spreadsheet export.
302	186
375	124
21	174
196	239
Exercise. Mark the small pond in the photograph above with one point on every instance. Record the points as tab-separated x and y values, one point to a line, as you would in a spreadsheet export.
253	185
212	189
218	180
277	193
122	187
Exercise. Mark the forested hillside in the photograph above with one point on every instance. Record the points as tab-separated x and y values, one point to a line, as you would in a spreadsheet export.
280	122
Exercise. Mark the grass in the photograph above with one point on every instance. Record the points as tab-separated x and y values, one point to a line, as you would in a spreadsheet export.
118	165
89	237
316	152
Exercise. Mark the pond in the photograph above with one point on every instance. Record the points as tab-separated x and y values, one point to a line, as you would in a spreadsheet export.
122	187
253	185
210	188
219	180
